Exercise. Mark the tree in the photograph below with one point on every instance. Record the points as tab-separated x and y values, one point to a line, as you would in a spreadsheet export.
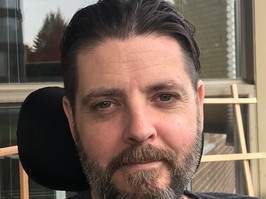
46	43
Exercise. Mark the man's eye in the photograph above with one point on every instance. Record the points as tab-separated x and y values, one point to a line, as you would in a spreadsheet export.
104	108
104	104
165	97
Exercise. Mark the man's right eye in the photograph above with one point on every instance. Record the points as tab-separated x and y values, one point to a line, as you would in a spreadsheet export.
103	105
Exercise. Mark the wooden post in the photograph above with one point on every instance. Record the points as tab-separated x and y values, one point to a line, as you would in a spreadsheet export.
242	140
24	183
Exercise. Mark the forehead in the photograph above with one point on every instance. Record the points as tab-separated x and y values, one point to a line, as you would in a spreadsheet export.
140	59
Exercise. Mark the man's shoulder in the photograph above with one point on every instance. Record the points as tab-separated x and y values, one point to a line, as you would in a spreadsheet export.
217	195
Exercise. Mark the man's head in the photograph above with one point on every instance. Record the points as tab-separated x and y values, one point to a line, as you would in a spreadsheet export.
133	98
123	19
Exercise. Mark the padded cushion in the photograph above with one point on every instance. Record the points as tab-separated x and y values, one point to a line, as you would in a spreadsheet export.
46	148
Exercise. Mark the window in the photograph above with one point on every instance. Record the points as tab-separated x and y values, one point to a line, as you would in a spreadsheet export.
215	23
224	35
8	3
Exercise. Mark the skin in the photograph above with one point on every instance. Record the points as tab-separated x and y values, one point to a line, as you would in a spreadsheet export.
135	92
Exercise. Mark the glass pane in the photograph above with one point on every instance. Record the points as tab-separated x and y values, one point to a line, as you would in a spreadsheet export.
44	23
221	137
8	165
22	24
8	3
215	33
218	139
11	43
10	187
9	178
30	33
3	30
212	178
8	125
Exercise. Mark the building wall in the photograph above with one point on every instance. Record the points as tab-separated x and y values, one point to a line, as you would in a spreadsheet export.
260	49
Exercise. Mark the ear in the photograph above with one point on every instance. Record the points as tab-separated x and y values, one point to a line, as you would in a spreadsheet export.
201	95
69	114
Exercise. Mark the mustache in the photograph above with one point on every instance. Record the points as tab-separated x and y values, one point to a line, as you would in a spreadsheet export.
141	154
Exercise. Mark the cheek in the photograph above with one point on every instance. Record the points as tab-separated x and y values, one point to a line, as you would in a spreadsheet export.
178	133
101	141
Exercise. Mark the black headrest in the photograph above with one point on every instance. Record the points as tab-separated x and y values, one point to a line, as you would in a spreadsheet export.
46	148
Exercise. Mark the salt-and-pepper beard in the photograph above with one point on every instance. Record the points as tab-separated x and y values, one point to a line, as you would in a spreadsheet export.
143	183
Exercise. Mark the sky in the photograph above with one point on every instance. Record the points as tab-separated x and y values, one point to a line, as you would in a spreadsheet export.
34	12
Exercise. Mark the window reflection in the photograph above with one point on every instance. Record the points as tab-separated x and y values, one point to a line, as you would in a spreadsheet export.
215	34
11	43
8	4
43	57
31	30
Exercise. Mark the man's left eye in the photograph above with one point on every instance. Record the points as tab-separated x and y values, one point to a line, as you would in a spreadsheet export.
165	97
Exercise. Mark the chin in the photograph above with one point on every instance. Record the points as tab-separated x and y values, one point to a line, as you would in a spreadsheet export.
139	182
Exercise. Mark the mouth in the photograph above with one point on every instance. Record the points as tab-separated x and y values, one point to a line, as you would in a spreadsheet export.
142	158
143	165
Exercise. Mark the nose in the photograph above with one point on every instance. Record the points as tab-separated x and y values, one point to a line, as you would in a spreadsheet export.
139	126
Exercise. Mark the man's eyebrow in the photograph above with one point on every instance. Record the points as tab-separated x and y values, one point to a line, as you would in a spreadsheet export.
100	92
165	85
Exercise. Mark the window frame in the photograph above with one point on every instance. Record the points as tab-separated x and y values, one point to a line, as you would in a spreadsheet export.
253	82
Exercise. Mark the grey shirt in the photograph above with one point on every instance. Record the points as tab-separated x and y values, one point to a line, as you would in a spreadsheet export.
214	195
204	195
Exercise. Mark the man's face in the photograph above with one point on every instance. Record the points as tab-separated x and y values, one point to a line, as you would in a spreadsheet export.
138	120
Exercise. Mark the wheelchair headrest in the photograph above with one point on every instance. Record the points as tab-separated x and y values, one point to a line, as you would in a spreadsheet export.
46	148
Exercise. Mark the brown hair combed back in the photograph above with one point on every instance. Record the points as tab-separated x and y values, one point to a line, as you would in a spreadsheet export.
122	19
